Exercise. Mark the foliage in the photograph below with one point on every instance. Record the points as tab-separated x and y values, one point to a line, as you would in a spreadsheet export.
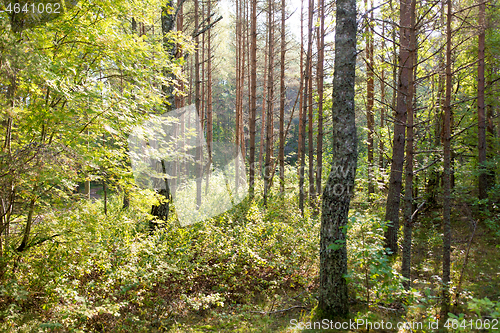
371	274
108	274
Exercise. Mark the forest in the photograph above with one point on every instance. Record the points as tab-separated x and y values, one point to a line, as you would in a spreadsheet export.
249	166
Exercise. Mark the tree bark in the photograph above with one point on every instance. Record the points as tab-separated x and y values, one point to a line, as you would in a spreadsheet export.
253	96
447	170
302	124
320	74
408	209
370	98
483	175
333	300
395	181
310	125
270	92
281	155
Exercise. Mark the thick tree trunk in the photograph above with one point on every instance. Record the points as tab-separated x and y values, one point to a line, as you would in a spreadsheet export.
338	190
395	181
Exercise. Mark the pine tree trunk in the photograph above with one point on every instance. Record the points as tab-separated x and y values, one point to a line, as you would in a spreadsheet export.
238	91
408	209
320	78
310	145
253	96
395	181
270	92
197	99
263	117
333	300
281	155
303	120
209	125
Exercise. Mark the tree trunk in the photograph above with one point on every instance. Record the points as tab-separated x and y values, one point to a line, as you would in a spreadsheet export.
370	98
301	99
270	92
483	175
408	212
263	117
197	101
395	181
320	74
302	144
382	109
310	145
338	190
281	155
253	96
447	171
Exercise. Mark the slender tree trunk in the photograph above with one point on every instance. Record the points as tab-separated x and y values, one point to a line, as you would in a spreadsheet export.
333	300
382	108
270	93
197	99
408	209
370	98
300	152
302	147
253	95
243	53
263	117
281	154
395	181
310	145
238	90
29	222
483	176
105	192
209	125
320	78
447	170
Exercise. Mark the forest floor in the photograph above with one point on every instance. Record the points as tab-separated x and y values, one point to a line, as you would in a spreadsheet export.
248	270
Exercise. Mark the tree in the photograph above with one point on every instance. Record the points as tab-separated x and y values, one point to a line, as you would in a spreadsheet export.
398	146
270	95
338	189
447	169
483	175
408	207
309	103
370	98
253	95
320	78
281	155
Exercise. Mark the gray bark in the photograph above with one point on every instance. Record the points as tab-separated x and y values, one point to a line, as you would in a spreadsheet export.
339	187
